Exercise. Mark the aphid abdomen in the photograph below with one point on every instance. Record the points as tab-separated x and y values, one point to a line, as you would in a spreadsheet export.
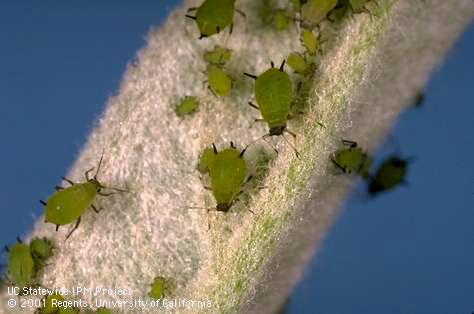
66	206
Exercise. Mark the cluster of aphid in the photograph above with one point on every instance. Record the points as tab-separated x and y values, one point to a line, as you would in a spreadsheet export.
353	159
227	168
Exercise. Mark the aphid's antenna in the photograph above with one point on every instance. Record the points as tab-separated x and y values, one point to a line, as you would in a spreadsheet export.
100	164
250	75
264	138
251	104
282	66
115	189
292	146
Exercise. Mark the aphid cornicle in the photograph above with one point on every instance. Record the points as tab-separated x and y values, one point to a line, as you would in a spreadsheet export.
390	174
212	16
67	205
352	159
228	172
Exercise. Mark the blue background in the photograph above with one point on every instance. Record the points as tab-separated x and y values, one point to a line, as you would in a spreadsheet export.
409	251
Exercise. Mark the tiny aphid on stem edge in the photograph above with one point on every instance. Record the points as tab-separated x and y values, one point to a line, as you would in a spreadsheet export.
213	16
67	205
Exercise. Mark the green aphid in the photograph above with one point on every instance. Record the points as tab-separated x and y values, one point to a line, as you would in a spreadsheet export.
314	11
352	159
297	62
41	249
207	157
280	20
219	81
213	16
21	266
389	175
309	41
228	171
187	105
274	94
218	57
67	205
160	288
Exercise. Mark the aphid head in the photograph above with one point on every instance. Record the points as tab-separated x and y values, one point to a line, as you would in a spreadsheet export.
277	130
223	207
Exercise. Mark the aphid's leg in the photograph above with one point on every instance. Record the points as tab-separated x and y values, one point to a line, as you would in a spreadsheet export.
265	140
107	194
43	203
282	66
202	36
215	95
190	17
68	181
291	145
214	148
57	228
253	106
19	240
192	9
241	13
95	209
232	144
231	28
272	64
259	120
349	143
208	188
250	75
291	133
87	173
74	229
6	248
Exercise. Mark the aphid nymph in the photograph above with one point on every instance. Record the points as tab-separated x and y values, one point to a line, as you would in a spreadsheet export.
274	94
67	205
212	16
390	174
352	159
